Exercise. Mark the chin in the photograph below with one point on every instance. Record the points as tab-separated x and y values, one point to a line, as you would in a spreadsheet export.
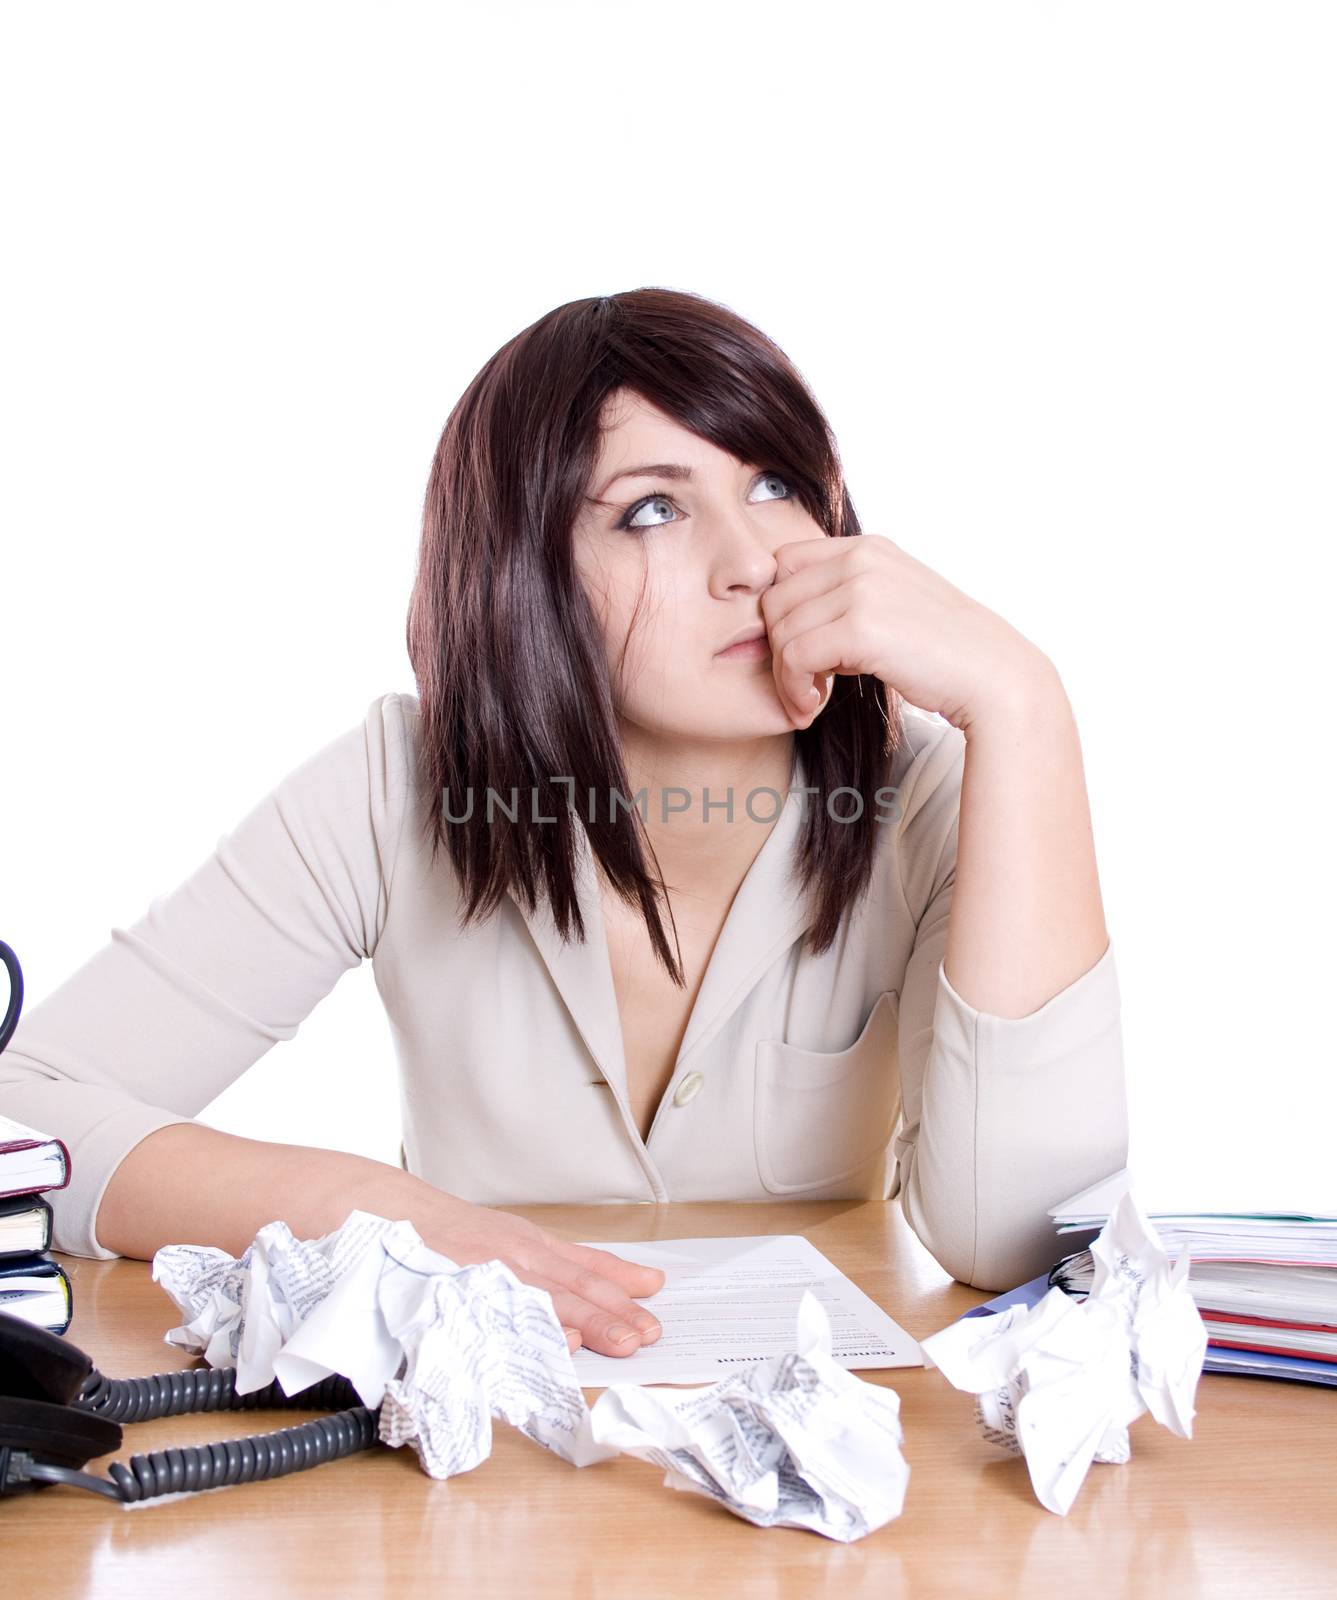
727	713
730	725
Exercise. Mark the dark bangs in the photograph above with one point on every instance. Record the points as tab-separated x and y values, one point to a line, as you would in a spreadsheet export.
508	654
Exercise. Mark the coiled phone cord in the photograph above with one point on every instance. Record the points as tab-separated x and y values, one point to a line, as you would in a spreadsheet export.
168	1394
212	1466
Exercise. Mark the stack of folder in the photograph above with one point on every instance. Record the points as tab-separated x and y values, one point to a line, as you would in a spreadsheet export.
1264	1281
32	1285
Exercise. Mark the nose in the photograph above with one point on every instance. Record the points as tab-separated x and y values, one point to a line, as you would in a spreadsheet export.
742	560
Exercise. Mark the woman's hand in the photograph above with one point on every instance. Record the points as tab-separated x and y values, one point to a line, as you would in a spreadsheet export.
863	605
591	1289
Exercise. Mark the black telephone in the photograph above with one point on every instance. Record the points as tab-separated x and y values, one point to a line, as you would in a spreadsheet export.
57	1412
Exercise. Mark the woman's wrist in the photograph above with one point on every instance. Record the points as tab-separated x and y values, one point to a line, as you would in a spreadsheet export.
391	1192
1019	697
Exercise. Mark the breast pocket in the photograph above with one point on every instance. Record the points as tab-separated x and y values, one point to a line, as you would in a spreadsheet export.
820	1116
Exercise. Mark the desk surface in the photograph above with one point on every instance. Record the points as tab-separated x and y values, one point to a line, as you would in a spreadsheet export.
1244	1508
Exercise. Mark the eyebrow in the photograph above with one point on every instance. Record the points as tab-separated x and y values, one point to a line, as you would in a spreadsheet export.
655	469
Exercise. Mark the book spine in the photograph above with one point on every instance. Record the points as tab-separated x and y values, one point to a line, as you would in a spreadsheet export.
42	1188
14	1304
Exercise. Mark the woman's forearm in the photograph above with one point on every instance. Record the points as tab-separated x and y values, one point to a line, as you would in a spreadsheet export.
187	1183
1027	918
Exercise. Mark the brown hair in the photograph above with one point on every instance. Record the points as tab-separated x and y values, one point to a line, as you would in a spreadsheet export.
509	657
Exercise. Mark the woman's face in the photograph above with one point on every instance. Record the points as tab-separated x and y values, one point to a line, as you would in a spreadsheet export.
701	541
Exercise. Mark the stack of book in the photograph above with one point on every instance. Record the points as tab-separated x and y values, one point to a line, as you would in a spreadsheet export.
1264	1281
32	1285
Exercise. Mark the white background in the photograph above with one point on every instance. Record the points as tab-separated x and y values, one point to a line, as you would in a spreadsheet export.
1061	276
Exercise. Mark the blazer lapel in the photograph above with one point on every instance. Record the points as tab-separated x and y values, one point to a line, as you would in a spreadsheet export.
768	913
582	969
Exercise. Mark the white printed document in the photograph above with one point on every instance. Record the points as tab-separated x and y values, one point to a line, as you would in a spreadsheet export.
728	1302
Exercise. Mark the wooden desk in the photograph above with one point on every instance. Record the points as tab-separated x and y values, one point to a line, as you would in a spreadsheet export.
1247	1507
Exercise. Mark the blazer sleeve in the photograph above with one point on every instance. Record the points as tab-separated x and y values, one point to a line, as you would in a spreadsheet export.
1002	1117
180	1003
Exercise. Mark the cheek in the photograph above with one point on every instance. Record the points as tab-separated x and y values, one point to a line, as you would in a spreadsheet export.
603	589
649	612
647	641
650	637
612	588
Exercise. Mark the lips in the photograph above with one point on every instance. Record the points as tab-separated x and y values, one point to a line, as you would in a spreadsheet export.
748	636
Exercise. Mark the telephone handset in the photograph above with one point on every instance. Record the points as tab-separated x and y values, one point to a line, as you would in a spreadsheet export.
57	1412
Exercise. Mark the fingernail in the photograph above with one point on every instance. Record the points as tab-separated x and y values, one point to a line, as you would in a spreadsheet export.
620	1333
647	1325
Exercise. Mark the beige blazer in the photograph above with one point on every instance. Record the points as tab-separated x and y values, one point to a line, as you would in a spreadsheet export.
856	1074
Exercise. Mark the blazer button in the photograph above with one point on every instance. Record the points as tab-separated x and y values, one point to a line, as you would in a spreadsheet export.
687	1088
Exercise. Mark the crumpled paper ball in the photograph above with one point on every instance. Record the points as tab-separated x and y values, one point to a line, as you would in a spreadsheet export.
439	1347
795	1441
1059	1382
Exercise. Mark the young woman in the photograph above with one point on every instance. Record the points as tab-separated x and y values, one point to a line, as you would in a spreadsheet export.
670	893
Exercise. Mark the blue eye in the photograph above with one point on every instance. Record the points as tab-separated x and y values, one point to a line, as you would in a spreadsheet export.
627	525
